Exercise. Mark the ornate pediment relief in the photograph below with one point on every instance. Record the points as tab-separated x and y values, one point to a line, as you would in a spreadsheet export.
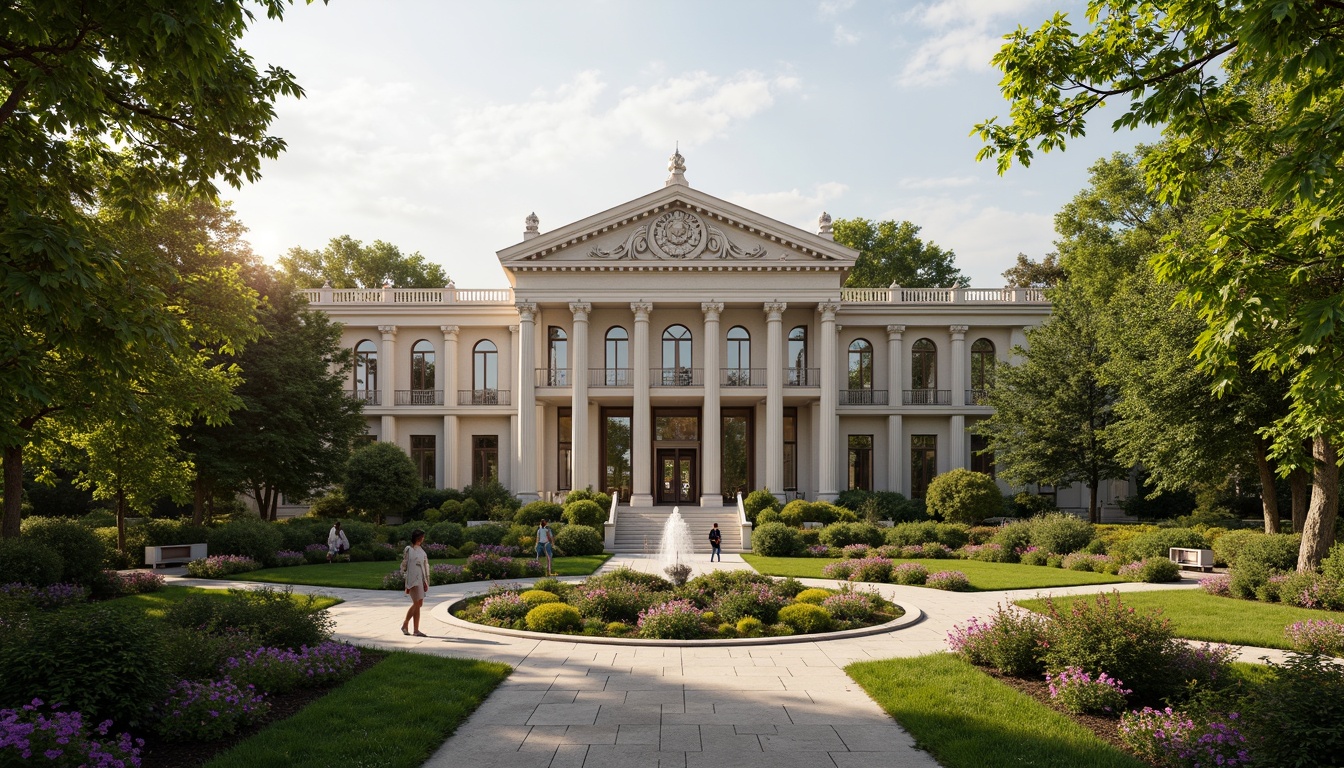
679	235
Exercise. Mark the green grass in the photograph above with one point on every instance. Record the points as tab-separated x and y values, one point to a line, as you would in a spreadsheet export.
1198	615
393	715
155	604
967	719
984	577
369	575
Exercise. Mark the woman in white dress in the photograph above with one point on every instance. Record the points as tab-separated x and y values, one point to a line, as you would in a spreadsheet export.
415	568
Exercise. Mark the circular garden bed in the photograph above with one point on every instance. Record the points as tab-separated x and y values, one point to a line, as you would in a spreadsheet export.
725	606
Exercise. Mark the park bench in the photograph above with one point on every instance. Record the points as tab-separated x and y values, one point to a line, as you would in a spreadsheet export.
173	553
1190	557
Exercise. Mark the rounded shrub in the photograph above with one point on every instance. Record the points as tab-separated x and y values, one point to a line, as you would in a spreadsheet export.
580	494
776	540
533	513
1060	533
80	549
951	535
554	617
963	496
27	562
1103	634
1333	563
813	596
673	620
1157	543
1262	557
576	540
794	513
585	512
1228	547
750	627
535	597
805	619
490	533
768	516
757	501
845	534
1153	570
1013	537
450	534
256	539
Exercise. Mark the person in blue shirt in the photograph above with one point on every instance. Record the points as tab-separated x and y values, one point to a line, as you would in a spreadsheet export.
715	544
546	545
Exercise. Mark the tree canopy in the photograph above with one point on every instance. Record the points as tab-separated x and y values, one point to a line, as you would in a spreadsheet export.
347	263
381	480
1025	273
891	253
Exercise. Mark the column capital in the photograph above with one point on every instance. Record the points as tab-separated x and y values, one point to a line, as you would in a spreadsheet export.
894	332
527	310
828	309
388	331
580	310
641	310
513	329
449	332
774	311
958	331
712	309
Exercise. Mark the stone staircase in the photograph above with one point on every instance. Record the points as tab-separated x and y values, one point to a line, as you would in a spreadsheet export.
639	530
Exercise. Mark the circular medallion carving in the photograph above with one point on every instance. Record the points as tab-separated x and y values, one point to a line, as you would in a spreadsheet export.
678	234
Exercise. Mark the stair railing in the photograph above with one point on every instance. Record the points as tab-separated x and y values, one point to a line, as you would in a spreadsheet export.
609	528
744	523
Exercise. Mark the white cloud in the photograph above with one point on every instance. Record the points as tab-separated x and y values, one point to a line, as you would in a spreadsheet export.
831	8
985	237
792	206
959	36
937	182
842	36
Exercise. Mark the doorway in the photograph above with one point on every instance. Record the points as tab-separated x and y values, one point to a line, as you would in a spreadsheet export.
677	480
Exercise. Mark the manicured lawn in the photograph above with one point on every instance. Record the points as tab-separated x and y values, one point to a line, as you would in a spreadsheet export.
369	575
392	716
1198	615
984	577
154	604
967	719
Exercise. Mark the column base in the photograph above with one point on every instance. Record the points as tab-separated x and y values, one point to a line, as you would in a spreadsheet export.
528	497
641	500
827	495
714	500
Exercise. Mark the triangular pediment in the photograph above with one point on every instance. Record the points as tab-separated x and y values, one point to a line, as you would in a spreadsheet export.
676	225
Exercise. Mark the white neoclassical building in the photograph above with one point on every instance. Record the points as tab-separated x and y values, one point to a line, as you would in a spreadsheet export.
677	349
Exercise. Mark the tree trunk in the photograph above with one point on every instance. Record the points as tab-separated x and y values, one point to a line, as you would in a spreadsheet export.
1300	483
1093	514
210	512
275	501
197	500
9	529
1318	533
1268	499
121	520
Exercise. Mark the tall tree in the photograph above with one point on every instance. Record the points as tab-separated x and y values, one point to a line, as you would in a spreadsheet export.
348	263
1046	273
891	253
1052	412
103	106
381	480
1270	272
296	424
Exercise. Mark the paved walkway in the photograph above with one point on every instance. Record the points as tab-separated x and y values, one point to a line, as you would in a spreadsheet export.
587	705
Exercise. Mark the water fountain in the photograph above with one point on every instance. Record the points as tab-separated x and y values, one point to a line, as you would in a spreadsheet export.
675	548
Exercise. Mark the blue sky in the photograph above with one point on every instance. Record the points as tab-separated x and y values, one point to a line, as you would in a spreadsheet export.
438	126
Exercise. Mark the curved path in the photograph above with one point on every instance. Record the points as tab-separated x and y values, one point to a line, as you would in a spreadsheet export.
571	704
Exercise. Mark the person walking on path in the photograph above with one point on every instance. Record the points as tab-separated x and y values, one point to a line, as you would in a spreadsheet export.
415	569
337	543
715	543
546	546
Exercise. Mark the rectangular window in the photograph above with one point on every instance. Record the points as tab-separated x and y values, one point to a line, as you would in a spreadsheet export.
422	455
981	459
861	462
923	463
791	450
616	430
676	424
737	456
484	458
565	449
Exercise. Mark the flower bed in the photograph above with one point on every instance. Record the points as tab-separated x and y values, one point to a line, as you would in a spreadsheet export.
483	566
724	604
220	566
35	733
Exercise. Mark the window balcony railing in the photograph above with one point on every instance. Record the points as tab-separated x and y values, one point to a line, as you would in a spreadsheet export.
742	377
977	397
610	377
483	397
369	396
419	397
863	397
928	397
802	377
554	377
676	377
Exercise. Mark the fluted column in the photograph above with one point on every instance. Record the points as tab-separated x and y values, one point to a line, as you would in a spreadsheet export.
827	488
448	380
1017	338
642	493
895	430
578	377
774	397
387	380
958	363
711	442
514	378
525	443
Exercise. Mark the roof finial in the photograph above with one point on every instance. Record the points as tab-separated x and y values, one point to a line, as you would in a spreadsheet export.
530	225
824	226
676	165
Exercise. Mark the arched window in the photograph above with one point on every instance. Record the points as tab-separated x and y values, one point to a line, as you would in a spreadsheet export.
366	372
860	365
485	373
422	365
982	370
617	358
677	369
557	357
797	359
924	365
739	358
